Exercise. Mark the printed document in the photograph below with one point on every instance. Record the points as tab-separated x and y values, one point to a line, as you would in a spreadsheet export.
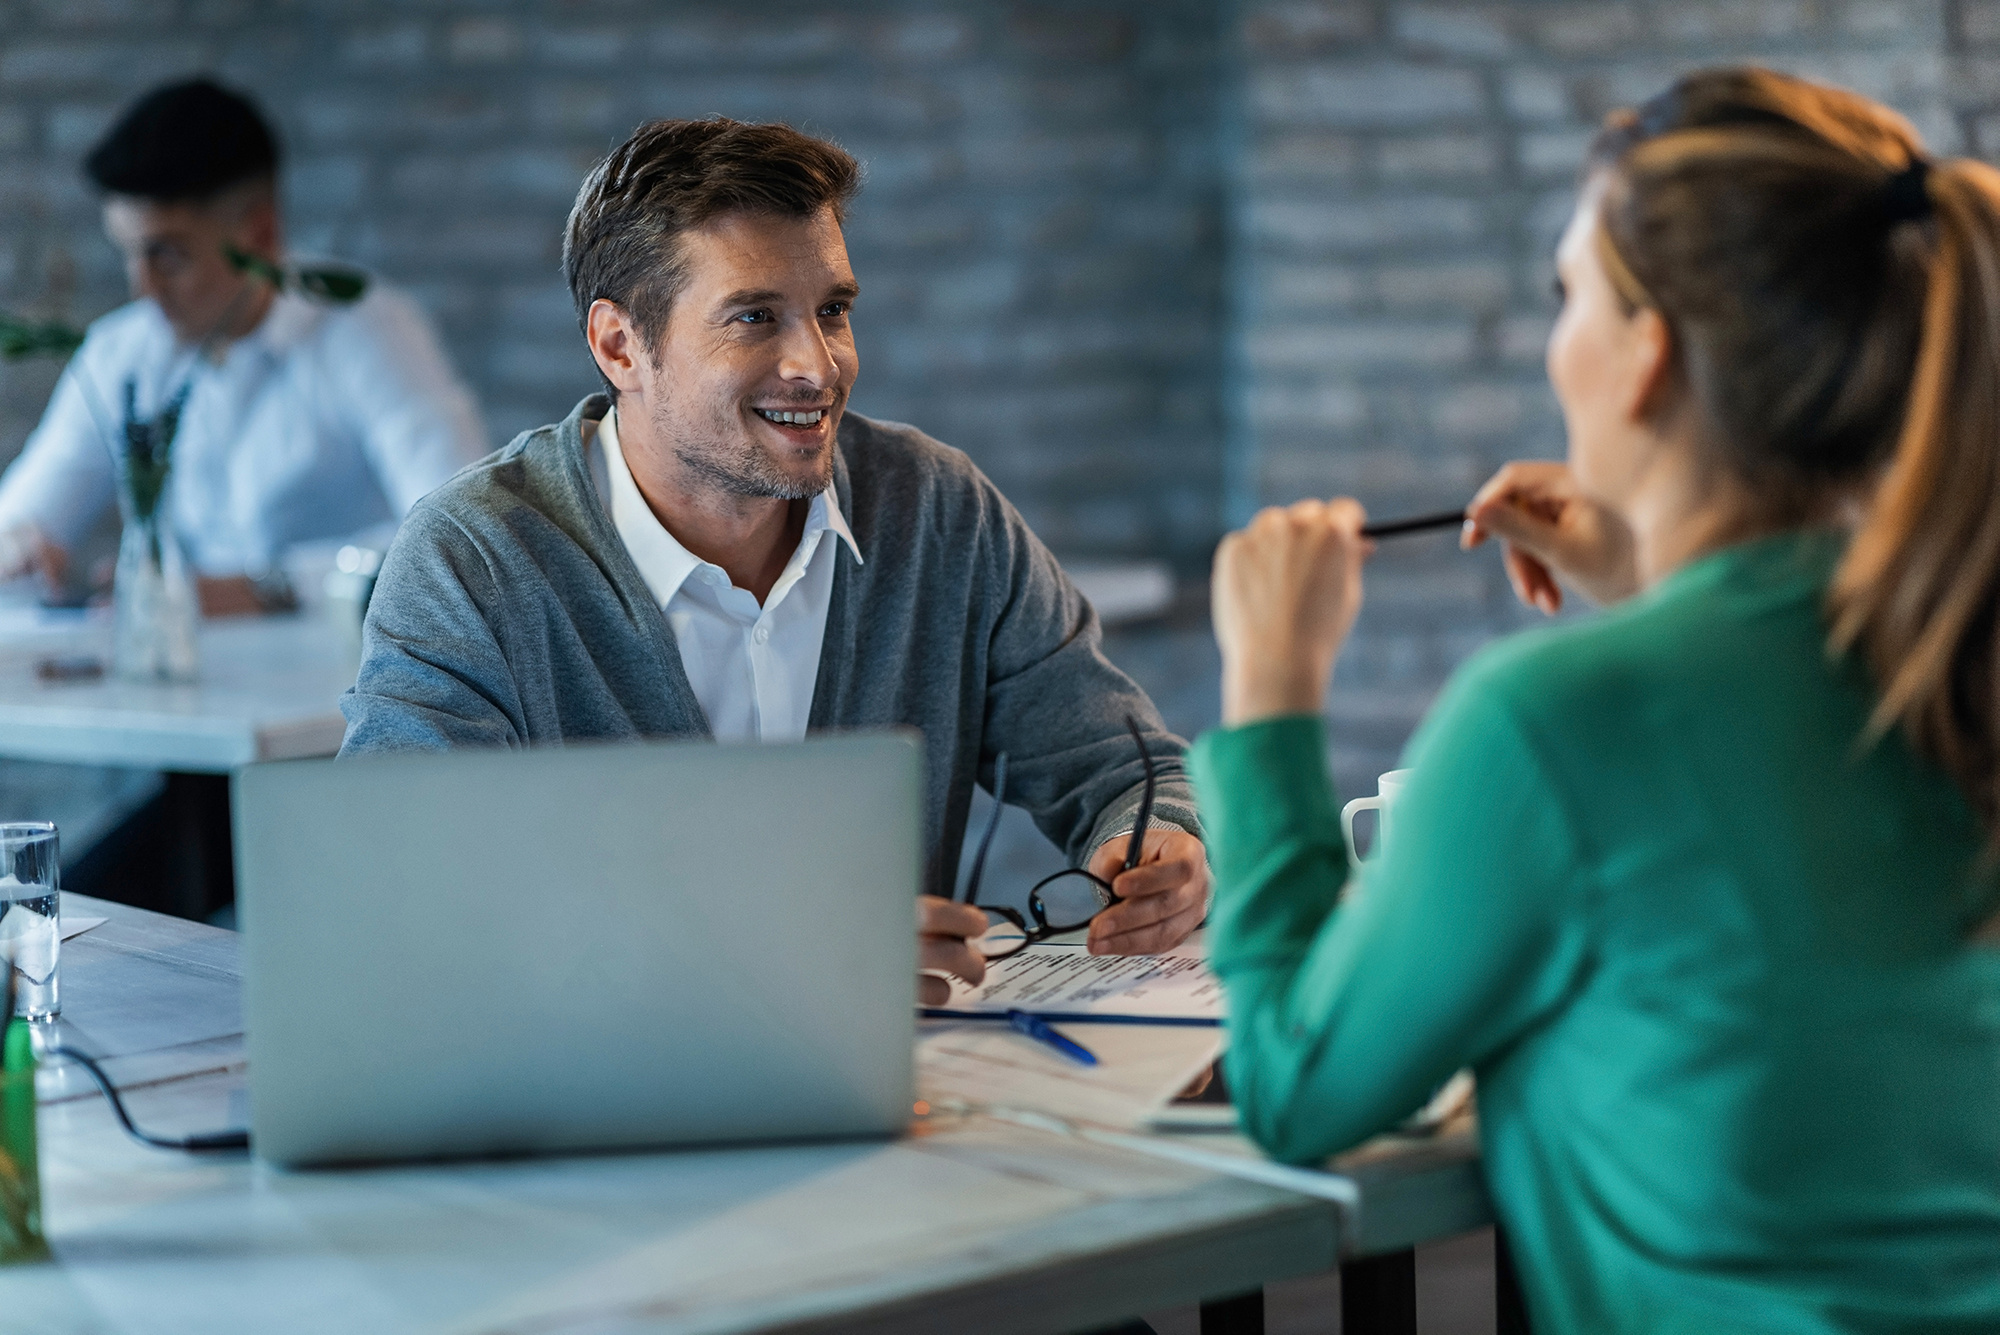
985	1066
1067	980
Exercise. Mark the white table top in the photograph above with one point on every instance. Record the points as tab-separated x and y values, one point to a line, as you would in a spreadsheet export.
965	1224
269	690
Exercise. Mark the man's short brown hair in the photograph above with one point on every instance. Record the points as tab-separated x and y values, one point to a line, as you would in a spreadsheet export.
622	241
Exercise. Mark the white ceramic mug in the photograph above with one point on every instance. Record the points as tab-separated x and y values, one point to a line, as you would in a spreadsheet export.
1387	789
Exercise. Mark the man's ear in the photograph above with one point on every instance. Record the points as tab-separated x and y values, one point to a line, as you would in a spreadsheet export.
257	229
1654	375
615	344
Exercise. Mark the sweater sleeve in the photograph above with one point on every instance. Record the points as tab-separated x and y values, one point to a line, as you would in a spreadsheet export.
433	676
1058	706
1347	1009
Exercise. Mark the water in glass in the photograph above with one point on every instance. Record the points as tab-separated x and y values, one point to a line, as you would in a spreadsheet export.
29	907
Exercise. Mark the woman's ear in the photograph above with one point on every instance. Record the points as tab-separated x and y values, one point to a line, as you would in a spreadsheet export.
1652	376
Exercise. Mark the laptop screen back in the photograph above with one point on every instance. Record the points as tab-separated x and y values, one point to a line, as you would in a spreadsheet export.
588	947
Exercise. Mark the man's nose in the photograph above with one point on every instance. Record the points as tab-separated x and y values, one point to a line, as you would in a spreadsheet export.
807	356
141	278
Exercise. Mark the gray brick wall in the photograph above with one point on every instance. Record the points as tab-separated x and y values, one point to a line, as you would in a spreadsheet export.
1400	174
1152	264
1039	242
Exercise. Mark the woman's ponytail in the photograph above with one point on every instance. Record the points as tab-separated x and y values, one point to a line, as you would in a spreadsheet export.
1835	301
1917	593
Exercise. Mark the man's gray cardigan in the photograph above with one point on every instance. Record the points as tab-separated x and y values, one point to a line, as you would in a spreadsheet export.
509	613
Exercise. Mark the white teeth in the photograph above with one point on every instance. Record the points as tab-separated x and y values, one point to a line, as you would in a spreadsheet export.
794	419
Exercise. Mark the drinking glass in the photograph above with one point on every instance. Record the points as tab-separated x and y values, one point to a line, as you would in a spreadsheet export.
29	934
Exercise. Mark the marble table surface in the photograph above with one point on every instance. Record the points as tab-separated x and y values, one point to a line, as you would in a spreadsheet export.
965	1224
269	689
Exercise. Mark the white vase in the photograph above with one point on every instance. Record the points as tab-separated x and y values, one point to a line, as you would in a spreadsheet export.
154	610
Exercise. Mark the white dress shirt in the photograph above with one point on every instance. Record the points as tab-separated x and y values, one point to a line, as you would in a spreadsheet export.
752	668
323	422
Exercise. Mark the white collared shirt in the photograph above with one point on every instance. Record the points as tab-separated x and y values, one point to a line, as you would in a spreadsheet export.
324	422
752	668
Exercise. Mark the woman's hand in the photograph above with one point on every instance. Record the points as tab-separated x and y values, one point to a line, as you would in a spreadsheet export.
1285	593
943	928
1552	530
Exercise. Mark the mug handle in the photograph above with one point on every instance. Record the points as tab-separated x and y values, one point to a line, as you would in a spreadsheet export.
1347	814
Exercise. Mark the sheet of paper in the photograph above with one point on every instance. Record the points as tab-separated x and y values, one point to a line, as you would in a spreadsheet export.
983	1065
78	926
28	625
1069	980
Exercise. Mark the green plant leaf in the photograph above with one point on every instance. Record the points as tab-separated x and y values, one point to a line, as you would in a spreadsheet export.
332	284
339	286
257	266
25	338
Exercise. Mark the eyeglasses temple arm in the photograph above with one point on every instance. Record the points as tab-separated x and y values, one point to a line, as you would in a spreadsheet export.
1137	845
971	895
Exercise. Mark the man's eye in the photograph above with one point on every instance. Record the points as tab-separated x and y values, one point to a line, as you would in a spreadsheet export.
833	310
754	317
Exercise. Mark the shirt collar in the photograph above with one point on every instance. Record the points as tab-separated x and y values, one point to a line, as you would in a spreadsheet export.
836	521
663	562
287	324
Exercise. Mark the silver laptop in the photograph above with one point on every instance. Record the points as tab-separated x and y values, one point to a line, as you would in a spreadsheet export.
591	947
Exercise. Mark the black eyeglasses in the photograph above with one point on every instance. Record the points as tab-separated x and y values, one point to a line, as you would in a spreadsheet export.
1060	903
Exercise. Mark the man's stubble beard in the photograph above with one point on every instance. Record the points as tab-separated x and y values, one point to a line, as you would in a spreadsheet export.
741	469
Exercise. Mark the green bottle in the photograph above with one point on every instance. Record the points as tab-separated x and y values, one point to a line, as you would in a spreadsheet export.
20	1178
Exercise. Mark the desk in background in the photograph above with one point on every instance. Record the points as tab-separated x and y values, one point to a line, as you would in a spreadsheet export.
967	1224
269	690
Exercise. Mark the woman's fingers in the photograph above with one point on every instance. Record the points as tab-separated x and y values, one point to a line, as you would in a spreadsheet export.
1520	501
1533	583
1286	591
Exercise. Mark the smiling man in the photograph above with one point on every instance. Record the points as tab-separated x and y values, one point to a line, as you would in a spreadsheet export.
717	547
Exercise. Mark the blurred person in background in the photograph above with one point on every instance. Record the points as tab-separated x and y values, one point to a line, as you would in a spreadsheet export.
1704	888
303	419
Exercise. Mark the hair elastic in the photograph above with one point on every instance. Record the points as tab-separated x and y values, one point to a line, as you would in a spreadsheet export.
1906	196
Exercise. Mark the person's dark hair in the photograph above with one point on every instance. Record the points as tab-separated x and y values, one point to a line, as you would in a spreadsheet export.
622	240
1834	302
186	142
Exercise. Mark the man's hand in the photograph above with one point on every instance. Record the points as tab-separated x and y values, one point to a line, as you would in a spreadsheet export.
1550	530
942	929
1165	895
228	596
26	550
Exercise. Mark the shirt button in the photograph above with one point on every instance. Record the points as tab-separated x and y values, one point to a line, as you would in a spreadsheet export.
761	634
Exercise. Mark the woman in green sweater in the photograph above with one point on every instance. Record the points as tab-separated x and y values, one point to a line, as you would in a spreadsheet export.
1702	888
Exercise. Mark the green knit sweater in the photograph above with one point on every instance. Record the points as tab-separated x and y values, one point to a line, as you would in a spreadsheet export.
1738	1059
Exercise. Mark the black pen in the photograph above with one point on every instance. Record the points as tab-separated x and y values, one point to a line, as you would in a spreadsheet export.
1395	528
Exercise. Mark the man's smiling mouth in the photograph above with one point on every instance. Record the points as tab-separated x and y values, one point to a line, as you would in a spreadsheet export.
810	417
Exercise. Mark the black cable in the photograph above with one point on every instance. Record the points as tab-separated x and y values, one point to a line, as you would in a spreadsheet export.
214	1140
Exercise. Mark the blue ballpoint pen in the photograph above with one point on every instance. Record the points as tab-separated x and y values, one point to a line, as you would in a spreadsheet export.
1034	1027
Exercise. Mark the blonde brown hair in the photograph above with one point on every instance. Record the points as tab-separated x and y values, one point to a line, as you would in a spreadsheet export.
1835	304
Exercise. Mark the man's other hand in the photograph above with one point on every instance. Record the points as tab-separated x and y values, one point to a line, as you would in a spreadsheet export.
1165	895
26	550
942	929
228	596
